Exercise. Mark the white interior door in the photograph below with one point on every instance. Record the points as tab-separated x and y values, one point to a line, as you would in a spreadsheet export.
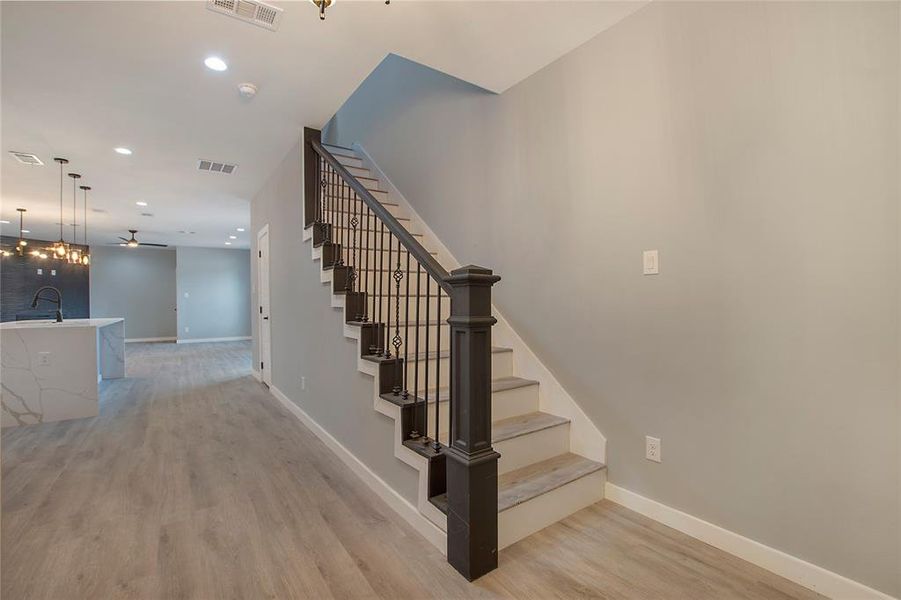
265	323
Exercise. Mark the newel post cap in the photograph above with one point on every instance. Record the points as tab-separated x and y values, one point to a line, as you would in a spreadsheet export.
473	274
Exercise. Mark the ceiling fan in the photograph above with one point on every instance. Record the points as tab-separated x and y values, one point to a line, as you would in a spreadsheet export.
133	243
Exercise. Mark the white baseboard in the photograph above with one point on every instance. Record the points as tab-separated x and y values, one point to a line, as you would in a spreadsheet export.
401	505
220	339
792	568
150	339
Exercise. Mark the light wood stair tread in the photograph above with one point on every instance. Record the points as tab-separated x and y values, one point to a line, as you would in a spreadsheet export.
514	427
531	481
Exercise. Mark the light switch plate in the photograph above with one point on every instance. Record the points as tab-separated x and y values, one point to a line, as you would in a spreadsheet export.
40	271
650	262
53	272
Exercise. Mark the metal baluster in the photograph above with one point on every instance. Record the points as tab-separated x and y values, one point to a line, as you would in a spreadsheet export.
398	275
407	337
428	282
366	225
381	262
344	216
450	379
437	444
388	305
416	357
354	265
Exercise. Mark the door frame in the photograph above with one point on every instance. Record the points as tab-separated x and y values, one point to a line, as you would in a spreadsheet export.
263	313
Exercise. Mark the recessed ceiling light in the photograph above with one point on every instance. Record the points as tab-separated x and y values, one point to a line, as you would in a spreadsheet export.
5	222
232	237
228	243
240	229
139	203
215	63
124	151
26	231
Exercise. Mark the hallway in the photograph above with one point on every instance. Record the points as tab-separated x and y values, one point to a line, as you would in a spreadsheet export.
195	483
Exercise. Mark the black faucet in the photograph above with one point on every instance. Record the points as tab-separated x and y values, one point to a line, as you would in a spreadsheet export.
58	301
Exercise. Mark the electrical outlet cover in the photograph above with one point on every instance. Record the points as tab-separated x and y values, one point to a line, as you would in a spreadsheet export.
652	449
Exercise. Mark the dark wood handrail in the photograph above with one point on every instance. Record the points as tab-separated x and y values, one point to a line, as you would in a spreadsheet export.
428	262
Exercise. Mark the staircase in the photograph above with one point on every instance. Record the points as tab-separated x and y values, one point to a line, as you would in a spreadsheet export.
403	308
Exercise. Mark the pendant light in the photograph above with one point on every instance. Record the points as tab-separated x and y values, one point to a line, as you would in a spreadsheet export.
20	245
59	248
74	256
85	254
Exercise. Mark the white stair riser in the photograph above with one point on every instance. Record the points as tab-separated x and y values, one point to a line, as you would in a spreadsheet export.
338	192
539	512
348	161
514	402
383	313
501	366
343	220
383	260
356	207
367	280
532	448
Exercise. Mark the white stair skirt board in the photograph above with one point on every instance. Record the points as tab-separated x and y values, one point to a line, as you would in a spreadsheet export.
791	567
151	339
205	340
397	502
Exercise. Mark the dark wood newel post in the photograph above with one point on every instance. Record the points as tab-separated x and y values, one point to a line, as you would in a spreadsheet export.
310	168
471	461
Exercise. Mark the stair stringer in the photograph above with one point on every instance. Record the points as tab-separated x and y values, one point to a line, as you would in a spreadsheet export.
419	463
585	437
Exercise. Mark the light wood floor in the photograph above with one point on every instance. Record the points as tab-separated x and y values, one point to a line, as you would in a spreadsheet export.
195	483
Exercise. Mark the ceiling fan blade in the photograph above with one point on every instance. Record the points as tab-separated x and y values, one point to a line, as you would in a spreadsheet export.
123	239
157	245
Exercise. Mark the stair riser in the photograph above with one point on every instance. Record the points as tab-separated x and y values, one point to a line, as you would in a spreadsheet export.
532	448
539	512
359	171
369	279
336	191
349	162
379	259
515	402
383	313
501	366
343	220
348	207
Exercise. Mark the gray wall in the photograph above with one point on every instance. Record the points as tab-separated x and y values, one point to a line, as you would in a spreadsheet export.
137	284
213	290
756	146
308	339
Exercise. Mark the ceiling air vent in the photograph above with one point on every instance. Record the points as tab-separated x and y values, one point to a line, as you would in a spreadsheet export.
216	167
26	158
250	11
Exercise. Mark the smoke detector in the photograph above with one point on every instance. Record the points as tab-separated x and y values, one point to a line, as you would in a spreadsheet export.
247	90
26	159
250	11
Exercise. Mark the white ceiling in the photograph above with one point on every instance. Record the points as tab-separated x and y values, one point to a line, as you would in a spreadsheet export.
80	78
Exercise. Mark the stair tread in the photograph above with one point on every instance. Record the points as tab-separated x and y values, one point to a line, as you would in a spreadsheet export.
514	427
531	481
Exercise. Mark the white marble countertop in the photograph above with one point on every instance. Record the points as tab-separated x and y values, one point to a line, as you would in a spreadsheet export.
51	324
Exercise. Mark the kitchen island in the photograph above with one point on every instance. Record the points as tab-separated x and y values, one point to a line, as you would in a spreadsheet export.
51	371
